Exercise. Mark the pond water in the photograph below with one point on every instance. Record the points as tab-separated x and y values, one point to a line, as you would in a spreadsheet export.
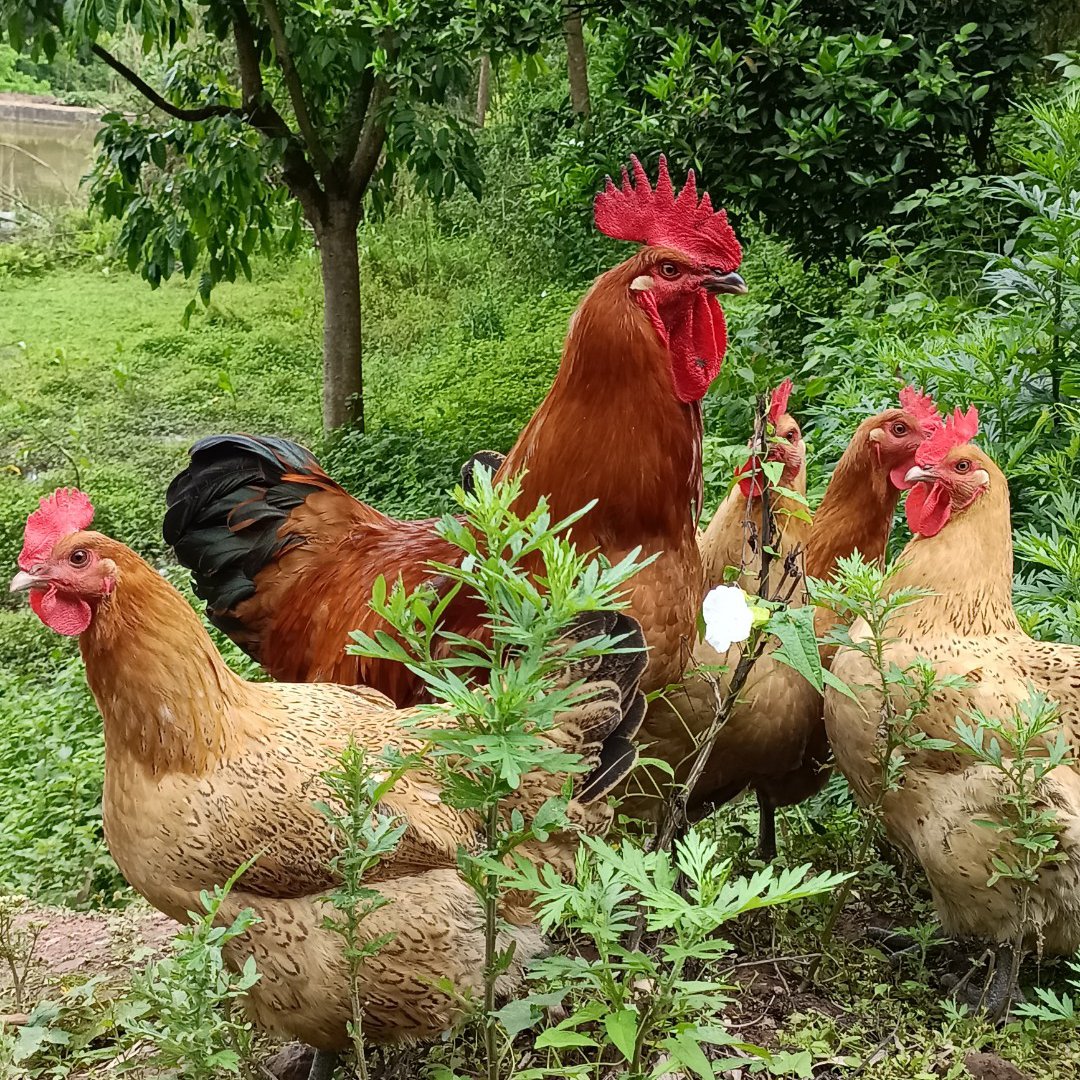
43	160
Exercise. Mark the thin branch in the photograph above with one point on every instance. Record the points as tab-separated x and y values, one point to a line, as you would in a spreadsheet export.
205	112
372	138
296	90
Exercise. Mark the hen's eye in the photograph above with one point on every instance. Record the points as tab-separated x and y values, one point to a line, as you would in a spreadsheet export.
79	557
669	270
963	465
793	436
899	429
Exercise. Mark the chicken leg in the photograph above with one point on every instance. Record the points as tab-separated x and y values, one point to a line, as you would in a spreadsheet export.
1004	988
323	1065
766	829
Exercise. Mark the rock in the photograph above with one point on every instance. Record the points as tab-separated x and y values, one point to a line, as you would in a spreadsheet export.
291	1062
992	1067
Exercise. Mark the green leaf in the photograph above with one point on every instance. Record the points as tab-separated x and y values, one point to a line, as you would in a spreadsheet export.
798	648
558	1038
685	1050
622	1029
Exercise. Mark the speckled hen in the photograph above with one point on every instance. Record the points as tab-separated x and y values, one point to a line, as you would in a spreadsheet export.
204	770
962	552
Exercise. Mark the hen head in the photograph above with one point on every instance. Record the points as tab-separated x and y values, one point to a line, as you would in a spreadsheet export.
948	476
690	257
785	445
65	569
894	436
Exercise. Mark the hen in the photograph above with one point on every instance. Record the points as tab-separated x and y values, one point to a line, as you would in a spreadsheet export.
774	740
962	552
856	512
764	738
204	771
286	559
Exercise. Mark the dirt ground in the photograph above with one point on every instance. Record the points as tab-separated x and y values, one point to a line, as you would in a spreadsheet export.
71	943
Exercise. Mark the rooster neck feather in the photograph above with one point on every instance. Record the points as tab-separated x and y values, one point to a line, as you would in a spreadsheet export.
968	566
612	429
855	514
164	692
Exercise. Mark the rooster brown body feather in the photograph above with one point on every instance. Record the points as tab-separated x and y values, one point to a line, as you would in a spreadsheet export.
286	559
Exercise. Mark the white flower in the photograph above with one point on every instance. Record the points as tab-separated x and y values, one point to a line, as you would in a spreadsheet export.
728	617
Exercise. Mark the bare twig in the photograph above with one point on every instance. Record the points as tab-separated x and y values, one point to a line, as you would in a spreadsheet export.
675	818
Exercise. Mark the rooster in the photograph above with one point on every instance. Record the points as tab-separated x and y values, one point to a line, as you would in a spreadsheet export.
958	511
774	740
286	559
204	771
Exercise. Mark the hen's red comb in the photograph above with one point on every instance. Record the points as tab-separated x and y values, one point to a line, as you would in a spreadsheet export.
656	217
958	429
780	396
65	511
922	407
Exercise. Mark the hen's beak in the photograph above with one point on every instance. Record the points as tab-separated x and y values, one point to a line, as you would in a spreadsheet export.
731	284
23	582
917	474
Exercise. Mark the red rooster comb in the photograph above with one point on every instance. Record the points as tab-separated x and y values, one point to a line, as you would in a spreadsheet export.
958	429
780	396
922	407
60	514
660	219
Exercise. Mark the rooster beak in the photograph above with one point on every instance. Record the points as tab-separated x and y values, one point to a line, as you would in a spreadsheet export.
23	582
917	474
731	284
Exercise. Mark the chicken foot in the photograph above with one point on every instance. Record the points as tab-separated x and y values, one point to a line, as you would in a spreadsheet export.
999	990
323	1065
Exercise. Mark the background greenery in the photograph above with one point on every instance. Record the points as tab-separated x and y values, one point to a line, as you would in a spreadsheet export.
909	201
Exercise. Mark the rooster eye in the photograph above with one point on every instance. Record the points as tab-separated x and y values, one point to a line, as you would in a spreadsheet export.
669	270
899	429
793	436
79	557
963	465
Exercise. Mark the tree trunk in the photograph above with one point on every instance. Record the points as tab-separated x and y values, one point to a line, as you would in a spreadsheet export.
343	381
576	64
483	90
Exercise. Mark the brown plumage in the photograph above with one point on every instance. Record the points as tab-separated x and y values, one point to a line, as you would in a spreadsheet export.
764	739
204	771
856	512
287	559
775	740
968	628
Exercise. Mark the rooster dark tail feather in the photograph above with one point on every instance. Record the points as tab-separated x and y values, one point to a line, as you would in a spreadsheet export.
229	517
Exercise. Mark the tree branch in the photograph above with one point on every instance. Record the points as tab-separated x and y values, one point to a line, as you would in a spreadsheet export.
372	138
204	112
356	111
247	54
264	117
296	90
